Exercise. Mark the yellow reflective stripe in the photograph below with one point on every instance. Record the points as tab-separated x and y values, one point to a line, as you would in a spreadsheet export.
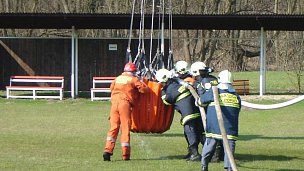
214	82
189	117
227	99
181	89
164	101
217	136
181	96
226	104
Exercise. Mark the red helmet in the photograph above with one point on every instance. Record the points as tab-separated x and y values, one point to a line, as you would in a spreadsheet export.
130	67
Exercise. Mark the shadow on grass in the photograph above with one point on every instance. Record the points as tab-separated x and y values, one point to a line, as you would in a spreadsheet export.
263	157
252	137
258	168
173	157
163	135
289	170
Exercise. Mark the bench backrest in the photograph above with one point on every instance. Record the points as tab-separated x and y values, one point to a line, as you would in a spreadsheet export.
37	79
242	87
103	81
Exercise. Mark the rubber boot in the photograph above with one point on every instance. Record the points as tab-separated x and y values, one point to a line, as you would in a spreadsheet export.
126	153
204	168
218	154
107	156
229	169
195	156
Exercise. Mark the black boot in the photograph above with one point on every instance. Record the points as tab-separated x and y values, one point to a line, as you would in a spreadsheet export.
195	156
107	156
204	168
229	169
218	154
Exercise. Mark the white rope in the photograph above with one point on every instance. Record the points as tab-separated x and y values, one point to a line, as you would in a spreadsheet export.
151	34
131	26
273	106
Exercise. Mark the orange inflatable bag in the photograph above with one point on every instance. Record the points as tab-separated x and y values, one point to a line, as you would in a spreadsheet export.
150	114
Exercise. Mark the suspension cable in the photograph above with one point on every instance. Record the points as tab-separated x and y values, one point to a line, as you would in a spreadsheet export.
162	47
151	36
130	31
170	56
140	35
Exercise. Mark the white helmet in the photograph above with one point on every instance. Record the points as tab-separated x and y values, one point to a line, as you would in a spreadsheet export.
196	67
224	77
181	67
163	75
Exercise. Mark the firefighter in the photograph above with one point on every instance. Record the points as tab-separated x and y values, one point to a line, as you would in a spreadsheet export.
203	81
181	71
124	91
173	93
230	104
202	76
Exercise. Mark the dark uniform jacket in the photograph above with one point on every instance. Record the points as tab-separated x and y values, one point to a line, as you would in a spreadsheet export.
178	95
204	83
230	104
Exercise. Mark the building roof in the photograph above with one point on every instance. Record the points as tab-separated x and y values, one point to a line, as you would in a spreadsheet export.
122	21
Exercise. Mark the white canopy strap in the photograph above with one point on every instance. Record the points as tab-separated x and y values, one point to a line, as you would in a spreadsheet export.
170	64
273	106
128	53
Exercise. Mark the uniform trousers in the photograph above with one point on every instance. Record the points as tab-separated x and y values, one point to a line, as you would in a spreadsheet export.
209	149
120	117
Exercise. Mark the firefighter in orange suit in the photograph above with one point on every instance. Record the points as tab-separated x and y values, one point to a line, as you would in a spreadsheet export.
124	91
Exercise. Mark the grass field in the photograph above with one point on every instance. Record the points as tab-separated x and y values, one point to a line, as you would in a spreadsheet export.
70	135
277	82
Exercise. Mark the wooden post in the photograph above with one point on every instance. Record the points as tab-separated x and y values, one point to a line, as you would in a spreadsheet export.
17	58
222	128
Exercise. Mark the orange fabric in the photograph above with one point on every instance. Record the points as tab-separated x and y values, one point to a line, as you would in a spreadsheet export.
125	89
126	152
189	80
151	115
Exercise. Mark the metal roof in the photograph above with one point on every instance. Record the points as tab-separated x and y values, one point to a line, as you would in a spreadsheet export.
122	21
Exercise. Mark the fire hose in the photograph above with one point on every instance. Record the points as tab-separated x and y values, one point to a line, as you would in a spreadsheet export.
273	106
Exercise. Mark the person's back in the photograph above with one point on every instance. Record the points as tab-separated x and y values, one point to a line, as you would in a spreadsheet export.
126	86
124	91
230	103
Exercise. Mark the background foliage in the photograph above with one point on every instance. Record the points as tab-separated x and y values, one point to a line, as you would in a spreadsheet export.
237	50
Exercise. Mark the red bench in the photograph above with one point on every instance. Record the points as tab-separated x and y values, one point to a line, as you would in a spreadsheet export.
35	85
101	85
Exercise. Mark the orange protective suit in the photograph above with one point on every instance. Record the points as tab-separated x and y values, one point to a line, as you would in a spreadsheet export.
125	90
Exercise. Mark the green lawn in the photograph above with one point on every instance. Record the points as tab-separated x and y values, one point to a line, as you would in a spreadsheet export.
70	134
277	82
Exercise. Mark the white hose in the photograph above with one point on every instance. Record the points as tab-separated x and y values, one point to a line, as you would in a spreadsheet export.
273	106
